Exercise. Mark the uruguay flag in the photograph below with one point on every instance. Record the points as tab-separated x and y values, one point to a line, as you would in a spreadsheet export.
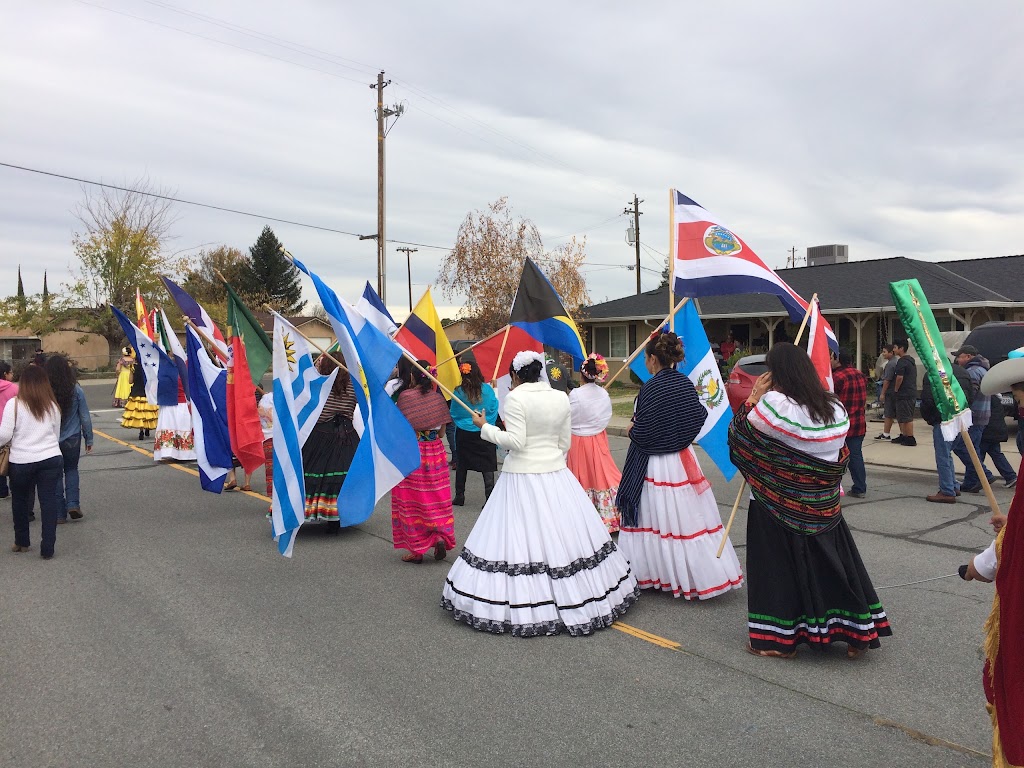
388	450
194	312
711	260
207	388
161	373
702	369
299	396
372	308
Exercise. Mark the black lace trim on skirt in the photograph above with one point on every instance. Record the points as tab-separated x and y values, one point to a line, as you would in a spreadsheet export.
536	629
532	569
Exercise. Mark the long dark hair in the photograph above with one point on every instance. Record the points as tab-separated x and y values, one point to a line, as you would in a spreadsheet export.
793	375
473	383
412	377
63	380
35	392
325	365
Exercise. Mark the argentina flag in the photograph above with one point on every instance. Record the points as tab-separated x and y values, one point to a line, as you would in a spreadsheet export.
388	450
702	369
299	396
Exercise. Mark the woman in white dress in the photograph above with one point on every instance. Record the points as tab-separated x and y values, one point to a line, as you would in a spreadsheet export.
590	458
671	528
538	561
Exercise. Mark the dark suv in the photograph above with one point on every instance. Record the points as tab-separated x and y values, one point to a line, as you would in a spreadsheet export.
994	341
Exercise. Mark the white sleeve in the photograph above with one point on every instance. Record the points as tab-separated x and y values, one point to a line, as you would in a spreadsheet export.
513	437
985	563
7	423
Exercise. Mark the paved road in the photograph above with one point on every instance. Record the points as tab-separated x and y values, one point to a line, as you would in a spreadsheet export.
168	632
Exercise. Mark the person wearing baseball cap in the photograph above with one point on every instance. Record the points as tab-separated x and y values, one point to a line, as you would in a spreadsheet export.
981	411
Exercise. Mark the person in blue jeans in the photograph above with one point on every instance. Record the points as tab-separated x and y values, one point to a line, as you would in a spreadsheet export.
31	424
981	410
75	423
949	488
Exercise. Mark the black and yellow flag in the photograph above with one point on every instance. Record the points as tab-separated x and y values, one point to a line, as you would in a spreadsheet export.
538	310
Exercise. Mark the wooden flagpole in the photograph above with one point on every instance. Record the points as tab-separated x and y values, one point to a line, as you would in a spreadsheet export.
471	346
743	485
213	346
671	259
497	362
639	349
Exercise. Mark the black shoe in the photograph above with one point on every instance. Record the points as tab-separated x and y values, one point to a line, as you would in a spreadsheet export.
459	501
142	434
333	528
882	437
898	440
910	442
970	489
147	433
856	494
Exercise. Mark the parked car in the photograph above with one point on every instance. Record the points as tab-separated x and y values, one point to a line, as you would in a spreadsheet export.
742	377
994	341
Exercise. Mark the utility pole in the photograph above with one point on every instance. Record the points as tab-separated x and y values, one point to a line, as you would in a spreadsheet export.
635	211
382	113
792	257
408	267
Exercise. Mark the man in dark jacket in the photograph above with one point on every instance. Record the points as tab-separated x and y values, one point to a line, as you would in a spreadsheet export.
948	487
995	432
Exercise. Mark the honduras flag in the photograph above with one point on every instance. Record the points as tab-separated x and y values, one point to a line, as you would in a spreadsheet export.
388	450
702	369
299	396
161	373
372	308
208	392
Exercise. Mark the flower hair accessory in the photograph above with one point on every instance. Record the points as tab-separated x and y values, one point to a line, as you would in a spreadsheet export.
465	368
524	358
602	368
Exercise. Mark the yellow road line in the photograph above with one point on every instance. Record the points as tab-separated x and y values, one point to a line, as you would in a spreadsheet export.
662	642
179	467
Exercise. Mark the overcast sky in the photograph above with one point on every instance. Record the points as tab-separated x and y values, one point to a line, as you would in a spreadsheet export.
896	128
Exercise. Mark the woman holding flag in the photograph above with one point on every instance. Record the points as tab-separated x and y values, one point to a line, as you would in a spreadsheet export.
139	413
806	581
670	528
538	561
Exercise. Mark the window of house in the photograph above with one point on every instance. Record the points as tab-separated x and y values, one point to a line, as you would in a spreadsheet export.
618	341
601	340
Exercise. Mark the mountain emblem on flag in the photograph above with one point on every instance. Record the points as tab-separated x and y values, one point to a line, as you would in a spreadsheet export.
721	242
708	390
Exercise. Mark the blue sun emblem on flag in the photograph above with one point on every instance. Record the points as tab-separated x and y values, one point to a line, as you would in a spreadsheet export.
721	242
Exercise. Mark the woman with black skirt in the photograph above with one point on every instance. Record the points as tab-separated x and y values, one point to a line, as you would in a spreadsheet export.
473	453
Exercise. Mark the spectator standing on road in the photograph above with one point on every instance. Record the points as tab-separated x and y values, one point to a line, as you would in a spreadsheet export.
905	387
806	582
590	458
851	387
995	432
421	505
538	561
949	488
888	395
8	391
31	424
670	527
124	368
981	411
472	452
75	423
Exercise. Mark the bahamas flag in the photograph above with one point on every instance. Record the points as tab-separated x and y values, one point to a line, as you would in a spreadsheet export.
702	369
538	311
423	336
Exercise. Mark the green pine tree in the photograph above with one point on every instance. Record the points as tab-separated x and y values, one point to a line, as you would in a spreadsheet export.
269	274
21	292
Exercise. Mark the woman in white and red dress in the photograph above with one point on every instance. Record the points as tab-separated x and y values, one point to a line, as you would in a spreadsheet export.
174	438
589	457
421	505
671	529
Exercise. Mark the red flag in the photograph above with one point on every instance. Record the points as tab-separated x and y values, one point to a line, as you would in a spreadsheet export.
486	352
817	347
243	420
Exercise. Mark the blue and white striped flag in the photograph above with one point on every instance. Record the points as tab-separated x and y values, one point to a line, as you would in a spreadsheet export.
300	393
702	369
372	308
207	390
388	450
161	374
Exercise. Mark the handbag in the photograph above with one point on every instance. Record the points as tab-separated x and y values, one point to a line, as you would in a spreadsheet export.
5	450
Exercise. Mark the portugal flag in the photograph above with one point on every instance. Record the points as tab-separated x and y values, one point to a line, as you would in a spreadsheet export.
243	420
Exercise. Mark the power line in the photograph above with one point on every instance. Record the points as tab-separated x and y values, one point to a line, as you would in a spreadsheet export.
587	229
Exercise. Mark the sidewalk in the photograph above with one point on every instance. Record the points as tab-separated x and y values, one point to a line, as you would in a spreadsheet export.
883	453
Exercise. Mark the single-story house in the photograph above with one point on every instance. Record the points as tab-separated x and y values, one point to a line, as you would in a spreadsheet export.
854	298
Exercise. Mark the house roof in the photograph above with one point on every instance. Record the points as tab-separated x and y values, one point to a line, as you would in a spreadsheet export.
266	320
854	286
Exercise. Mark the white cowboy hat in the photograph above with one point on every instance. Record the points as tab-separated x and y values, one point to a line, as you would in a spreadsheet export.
1004	375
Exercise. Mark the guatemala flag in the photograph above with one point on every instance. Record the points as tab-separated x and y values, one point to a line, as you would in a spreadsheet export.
711	260
208	393
702	369
372	308
161	373
299	396
388	450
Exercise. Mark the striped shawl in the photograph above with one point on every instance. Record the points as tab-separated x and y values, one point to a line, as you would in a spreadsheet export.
800	491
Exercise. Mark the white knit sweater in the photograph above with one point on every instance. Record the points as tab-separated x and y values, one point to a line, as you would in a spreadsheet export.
33	440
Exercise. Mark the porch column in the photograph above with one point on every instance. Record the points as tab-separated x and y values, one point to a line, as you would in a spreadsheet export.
858	322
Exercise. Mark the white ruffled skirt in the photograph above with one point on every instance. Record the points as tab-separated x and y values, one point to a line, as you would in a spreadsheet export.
673	546
173	438
539	561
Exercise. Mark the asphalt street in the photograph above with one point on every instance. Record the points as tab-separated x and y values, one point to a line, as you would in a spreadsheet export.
167	631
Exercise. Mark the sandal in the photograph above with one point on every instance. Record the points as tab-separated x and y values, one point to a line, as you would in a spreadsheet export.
440	551
411	558
246	487
770	654
231	486
852	652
